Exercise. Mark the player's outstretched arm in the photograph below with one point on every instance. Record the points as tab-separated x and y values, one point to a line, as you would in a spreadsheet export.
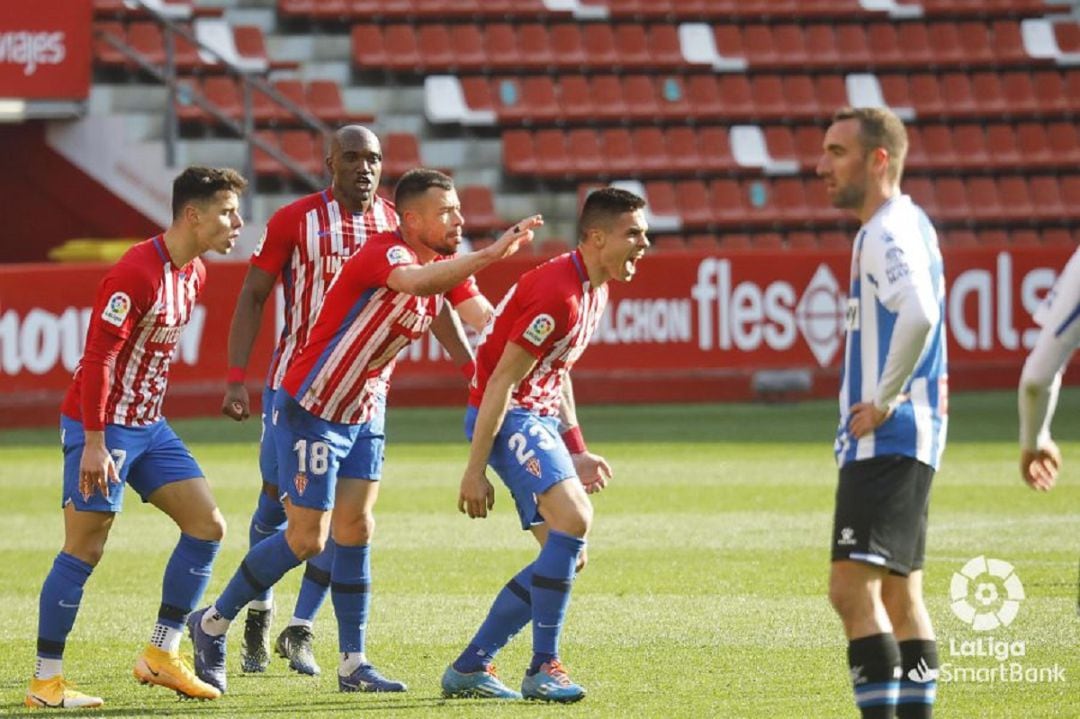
439	277
476	495
246	319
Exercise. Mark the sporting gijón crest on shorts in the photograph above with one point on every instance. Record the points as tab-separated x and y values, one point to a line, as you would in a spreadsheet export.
896	252
551	313
345	367
307	242
142	306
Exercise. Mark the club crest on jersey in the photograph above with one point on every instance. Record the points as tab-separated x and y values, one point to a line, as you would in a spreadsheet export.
116	309
301	482
398	255
533	467
539	329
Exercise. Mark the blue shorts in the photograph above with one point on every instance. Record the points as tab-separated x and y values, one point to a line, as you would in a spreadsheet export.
312	452
267	446
529	456
146	458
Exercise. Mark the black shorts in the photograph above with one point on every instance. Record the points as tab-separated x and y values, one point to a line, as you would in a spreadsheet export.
882	506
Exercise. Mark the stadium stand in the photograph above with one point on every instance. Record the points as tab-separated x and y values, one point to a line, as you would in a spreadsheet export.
714	108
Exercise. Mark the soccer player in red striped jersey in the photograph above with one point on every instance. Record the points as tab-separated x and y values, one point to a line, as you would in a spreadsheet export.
306	243
328	416
113	435
521	402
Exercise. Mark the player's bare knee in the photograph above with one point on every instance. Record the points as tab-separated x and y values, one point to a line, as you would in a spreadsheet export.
90	552
305	542
354	530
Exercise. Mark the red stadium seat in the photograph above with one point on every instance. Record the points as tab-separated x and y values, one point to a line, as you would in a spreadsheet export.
435	50
729	40
831	93
651	151
642	102
632	49
914	38
401	152
946	48
757	45
808	139
1049	89
661	197
958	238
403	49
970	143
848	46
535	49
104	52
469	46
714	145
886	48
302	147
607	97
801	97
599	42
681	148
552	160
478	207
567	47
671	98
325	102
619	152
802	240
477	92
982	197
664	48
668	243
519	156
575	99
1008	44
1034	145
1058	237
769	100
937	144
1001	142
501	45
703	94
780	143
1046	197
1025	238
1014	198
1018	94
960	100
921	190
1064	142
583	144
1070	193
692	198
368	47
728	203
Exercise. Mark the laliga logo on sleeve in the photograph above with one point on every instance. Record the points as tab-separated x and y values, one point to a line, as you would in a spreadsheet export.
116	309
986	593
539	329
398	255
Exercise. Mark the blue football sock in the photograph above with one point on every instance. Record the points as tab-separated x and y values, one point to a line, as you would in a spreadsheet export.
58	604
186	576
316	583
511	610
350	586
269	518
264	565
553	576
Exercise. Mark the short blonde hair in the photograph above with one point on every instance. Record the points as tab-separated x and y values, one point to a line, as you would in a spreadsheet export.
880	127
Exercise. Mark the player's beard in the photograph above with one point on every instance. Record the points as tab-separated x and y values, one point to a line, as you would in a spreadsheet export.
849	197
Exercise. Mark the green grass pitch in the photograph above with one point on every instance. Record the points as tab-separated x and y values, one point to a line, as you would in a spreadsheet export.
704	595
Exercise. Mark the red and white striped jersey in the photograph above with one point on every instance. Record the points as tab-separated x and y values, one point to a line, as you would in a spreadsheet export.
142	306
307	242
551	313
346	364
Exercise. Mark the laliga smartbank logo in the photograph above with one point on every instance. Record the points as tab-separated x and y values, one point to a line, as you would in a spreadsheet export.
986	594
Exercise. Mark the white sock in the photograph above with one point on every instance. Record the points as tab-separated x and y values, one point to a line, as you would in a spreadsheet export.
297	622
350	661
262	605
167	638
213	623
48	668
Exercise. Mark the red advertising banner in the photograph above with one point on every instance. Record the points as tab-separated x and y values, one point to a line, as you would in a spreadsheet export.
690	327
45	49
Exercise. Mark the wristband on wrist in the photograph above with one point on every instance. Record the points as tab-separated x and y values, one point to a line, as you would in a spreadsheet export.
573	440
235	375
468	369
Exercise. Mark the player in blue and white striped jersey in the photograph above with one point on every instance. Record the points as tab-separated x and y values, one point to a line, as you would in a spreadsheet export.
893	417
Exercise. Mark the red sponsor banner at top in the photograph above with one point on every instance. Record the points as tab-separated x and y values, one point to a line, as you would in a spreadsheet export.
689	326
45	49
